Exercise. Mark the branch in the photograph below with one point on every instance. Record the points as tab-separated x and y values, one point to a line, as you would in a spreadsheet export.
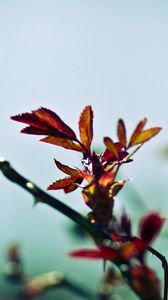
41	196
164	266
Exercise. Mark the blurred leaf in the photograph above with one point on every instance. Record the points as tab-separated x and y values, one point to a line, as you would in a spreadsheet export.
102	253
150	226
116	187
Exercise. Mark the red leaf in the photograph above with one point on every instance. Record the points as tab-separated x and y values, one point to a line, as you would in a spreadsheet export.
102	253
136	131
150	226
62	142
70	188
121	132
109	156
36	131
30	119
62	183
52	119
66	169
45	122
110	145
145	282
86	127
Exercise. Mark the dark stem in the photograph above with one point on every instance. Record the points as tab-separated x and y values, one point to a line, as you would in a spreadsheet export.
164	266
41	196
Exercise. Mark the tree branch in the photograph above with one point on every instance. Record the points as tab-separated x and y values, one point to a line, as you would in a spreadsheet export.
164	266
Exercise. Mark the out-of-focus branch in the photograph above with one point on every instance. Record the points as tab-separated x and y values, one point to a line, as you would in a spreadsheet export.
41	196
164	266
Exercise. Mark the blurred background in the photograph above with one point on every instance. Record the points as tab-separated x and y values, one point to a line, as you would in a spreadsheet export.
64	55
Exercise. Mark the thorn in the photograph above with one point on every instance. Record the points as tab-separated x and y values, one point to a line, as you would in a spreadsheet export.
36	200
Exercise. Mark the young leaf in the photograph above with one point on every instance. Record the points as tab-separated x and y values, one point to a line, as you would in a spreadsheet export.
37	131
62	183
136	131
106	179
116	187
50	118
73	186
87	176
102	253
146	282
86	127
150	226
66	169
30	119
121	132
145	135
111	146
62	142
45	122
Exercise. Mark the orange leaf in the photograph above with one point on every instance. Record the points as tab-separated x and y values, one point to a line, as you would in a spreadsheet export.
62	142
111	146
116	187
121	132
61	183
145	135
136	132
66	169
128	250
87	176
86	127
106	179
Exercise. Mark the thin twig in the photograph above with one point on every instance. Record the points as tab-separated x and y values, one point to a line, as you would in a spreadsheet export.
41	196
164	266
134	151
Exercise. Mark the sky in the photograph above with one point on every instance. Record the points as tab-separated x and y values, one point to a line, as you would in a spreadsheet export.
64	55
